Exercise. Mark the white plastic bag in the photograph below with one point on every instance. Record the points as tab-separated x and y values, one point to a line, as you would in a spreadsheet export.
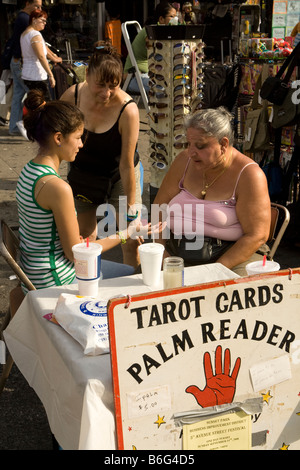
85	319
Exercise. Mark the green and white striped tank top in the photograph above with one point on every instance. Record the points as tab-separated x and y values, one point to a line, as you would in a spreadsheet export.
42	257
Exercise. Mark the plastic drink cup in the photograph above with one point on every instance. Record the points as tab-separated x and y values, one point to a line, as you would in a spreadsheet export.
258	267
173	272
151	259
87	261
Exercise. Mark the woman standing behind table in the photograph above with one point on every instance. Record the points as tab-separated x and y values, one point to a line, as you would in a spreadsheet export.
230	187
47	216
36	69
110	151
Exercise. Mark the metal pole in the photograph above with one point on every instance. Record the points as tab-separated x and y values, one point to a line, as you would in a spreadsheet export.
101	20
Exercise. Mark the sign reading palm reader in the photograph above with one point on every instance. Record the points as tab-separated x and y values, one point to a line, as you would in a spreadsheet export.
212	366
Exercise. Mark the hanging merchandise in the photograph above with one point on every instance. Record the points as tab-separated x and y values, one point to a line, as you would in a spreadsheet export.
275	89
257	127
221	85
176	72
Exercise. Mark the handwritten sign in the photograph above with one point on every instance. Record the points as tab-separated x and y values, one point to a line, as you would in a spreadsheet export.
197	348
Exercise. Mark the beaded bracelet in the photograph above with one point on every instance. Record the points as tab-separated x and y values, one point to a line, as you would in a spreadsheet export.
122	238
130	218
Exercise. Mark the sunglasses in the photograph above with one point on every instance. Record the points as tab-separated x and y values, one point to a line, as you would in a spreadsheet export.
182	56
197	106
158	135
180	145
182	47
158	156
159	165
159	116
159	146
158	105
178	126
181	87
158	45
157	57
157	76
157	67
181	79
184	99
183	67
159	95
182	107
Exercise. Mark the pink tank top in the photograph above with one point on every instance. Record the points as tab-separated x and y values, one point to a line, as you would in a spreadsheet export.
189	215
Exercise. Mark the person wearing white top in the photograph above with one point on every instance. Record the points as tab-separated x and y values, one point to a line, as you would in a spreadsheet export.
36	69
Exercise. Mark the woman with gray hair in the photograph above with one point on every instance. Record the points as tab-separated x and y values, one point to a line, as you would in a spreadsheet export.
218	206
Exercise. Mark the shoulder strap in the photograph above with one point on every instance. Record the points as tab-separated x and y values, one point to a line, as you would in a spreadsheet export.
43	185
127	102
76	94
262	77
290	63
239	175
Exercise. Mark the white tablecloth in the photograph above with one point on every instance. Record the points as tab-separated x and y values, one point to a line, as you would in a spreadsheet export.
76	390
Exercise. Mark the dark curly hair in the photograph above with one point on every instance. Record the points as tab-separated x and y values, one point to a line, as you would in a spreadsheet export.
43	119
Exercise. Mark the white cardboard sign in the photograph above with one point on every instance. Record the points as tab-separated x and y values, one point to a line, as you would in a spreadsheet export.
186	355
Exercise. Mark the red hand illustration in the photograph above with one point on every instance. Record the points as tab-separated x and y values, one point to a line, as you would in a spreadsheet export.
220	388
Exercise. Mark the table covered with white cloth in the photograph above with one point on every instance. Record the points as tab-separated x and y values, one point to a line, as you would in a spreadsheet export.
76	389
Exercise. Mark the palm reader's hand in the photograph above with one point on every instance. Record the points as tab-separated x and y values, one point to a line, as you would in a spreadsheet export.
220	388
139	231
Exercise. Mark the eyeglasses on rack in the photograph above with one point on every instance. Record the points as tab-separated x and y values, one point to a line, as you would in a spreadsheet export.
160	165
158	105
158	135
158	156
159	146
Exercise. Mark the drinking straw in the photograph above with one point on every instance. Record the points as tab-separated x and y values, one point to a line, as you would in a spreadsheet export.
87	242
264	260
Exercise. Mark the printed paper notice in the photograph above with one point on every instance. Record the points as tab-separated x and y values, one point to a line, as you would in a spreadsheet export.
270	373
230	431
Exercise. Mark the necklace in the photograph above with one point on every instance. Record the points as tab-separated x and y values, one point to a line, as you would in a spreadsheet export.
208	185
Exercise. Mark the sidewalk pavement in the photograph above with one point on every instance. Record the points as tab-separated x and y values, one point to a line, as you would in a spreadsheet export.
23	422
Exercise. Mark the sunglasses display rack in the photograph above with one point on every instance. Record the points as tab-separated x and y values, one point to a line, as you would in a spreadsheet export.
176	73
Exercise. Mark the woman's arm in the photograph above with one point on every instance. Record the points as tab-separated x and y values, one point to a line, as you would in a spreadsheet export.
38	48
254	214
69	95
168	189
53	57
129	130
57	196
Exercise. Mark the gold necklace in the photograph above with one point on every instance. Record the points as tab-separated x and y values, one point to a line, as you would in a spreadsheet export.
208	185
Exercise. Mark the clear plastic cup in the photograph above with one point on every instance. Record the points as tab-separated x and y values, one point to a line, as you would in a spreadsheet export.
87	261
173	272
151	255
257	267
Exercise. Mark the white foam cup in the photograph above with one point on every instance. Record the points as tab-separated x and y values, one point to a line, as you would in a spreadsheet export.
87	261
151	262
257	267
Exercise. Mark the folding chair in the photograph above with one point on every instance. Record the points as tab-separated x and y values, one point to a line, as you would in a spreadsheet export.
135	68
9	249
280	218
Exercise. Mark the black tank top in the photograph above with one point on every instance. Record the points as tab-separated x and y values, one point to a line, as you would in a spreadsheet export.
101	153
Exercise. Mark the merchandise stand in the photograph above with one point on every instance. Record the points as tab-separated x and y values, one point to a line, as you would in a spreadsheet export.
175	61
